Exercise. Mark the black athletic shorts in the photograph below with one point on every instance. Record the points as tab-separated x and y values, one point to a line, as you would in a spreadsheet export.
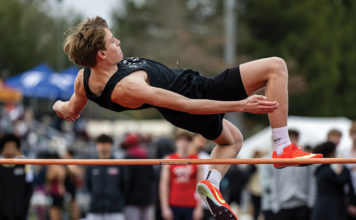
226	86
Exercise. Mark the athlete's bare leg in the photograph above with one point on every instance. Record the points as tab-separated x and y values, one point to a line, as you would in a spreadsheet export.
271	73
228	145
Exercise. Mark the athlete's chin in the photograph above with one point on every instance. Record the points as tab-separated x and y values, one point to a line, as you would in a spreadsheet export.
119	60
121	56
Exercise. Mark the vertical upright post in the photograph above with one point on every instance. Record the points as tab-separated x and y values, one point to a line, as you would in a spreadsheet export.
230	31
60	61
230	51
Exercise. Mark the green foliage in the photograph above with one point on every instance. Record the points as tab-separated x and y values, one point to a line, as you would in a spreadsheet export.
318	39
186	31
30	36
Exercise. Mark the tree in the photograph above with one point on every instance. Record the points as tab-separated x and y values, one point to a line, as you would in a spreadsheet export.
185	31
29	35
317	39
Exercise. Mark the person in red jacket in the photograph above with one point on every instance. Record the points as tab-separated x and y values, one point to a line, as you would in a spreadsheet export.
177	184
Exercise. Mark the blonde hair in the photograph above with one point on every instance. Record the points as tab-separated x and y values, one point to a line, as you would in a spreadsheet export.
83	42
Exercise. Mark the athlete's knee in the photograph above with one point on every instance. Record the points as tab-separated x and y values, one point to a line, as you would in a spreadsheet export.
278	68
236	139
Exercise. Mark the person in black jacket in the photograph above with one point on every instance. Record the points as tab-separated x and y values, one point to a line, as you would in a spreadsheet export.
139	190
331	180
15	181
105	185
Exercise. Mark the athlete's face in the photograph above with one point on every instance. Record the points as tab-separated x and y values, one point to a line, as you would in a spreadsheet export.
113	53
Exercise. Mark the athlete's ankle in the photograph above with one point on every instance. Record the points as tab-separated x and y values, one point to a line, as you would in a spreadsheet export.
280	138
214	177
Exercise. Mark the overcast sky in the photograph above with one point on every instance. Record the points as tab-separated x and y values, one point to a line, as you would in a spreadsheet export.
89	8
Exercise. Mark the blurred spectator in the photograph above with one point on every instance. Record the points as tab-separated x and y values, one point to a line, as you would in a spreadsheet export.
352	167
139	190
235	181
80	129
197	147
163	147
334	135
254	187
177	184
105	184
74	174
55	182
308	148
39	197
293	190
331	180
15	181
267	175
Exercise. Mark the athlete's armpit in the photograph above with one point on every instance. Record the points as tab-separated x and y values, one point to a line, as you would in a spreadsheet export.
127	92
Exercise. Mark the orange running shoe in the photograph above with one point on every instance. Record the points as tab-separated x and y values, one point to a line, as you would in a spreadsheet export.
293	151
217	205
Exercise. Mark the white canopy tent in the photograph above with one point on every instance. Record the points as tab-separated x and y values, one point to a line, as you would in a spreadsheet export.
312	131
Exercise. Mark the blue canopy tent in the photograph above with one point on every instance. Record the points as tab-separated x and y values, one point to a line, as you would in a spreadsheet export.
34	83
64	81
41	82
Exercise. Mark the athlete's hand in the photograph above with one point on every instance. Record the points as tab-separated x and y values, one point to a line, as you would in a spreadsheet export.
167	214
63	112
258	104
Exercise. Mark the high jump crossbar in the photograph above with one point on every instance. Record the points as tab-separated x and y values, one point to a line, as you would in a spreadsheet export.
177	161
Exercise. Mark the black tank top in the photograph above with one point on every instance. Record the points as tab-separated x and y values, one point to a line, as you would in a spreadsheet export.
188	83
158	75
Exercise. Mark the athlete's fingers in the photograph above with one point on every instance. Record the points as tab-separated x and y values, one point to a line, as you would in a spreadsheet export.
268	109
268	103
70	119
60	115
260	97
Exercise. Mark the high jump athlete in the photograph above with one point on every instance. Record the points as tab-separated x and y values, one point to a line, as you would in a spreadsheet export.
185	98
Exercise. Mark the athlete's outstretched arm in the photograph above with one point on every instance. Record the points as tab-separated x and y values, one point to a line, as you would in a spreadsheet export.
133	91
70	110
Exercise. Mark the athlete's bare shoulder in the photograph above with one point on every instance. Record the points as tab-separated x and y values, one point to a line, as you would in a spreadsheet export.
79	83
80	75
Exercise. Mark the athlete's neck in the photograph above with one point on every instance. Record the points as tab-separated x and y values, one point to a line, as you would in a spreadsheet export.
104	69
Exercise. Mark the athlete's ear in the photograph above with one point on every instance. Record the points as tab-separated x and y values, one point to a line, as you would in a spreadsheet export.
101	55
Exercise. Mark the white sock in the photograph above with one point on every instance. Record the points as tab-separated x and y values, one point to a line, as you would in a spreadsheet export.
280	139
214	177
